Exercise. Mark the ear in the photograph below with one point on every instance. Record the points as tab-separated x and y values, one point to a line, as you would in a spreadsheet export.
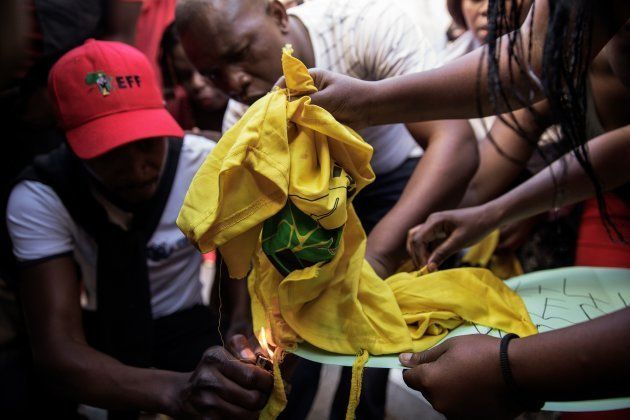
277	11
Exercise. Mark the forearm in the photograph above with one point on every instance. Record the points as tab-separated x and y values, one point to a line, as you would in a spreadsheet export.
504	152
88	376
437	183
586	361
238	297
454	90
610	159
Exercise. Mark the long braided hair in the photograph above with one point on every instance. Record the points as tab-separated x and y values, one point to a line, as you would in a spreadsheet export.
564	78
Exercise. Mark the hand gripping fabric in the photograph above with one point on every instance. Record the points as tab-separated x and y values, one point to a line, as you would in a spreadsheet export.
289	166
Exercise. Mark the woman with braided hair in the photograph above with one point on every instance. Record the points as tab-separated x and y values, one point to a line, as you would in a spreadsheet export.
548	57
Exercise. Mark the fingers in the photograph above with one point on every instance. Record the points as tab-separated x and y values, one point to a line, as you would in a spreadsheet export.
443	251
322	96
316	75
211	406
422	239
427	356
421	364
416	379
222	385
213	387
281	83
413	249
245	375
241	347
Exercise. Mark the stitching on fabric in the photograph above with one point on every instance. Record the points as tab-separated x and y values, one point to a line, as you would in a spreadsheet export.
280	169
243	214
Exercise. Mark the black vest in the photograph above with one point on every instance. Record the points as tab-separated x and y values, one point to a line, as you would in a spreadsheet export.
122	326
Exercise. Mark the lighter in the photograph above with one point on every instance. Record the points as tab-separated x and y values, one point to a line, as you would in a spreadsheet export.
264	362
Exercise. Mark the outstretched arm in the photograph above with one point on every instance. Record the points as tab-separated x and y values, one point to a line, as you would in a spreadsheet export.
437	183
50	294
448	232
504	153
452	91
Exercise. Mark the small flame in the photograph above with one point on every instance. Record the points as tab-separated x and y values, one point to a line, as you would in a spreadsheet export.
262	338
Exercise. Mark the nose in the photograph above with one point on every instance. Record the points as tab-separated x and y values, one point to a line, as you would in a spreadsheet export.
237	82
140	170
144	159
197	81
484	8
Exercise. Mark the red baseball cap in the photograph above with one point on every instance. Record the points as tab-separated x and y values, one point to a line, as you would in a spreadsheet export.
107	95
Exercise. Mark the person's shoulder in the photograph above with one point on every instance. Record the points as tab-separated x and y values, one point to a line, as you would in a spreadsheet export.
32	196
234	111
461	46
236	108
38	223
195	148
377	9
309	8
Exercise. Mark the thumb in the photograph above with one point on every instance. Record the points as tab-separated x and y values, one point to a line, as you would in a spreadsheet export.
443	251
281	83
241	347
431	355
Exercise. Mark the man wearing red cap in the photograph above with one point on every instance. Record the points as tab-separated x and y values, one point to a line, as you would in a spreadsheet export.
93	227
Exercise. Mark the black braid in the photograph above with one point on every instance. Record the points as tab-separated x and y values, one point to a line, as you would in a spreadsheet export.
564	80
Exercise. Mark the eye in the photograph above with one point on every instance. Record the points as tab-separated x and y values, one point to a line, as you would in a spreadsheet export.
240	54
183	74
212	74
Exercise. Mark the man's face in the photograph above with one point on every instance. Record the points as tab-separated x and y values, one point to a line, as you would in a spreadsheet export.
131	172
200	90
238	49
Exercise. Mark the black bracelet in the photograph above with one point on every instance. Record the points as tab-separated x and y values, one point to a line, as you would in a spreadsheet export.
529	404
506	371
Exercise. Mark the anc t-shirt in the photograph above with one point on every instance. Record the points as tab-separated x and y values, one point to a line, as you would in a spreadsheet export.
369	40
41	228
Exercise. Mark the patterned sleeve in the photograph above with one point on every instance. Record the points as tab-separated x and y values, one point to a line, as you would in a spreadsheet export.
390	43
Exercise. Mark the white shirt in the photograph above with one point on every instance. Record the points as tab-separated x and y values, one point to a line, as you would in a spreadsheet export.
41	227
369	40
432	17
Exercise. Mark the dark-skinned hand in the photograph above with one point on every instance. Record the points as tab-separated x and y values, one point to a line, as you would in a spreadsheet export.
461	378
224	387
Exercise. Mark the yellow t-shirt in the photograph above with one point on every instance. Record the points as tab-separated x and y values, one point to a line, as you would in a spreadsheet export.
285	153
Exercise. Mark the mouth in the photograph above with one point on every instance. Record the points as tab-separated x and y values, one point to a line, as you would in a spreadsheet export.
482	29
143	187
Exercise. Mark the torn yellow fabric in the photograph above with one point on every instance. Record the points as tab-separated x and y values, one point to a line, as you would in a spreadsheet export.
356	383
278	399
287	165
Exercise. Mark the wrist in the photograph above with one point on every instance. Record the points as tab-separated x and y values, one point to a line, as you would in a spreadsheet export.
509	359
496	214
369	102
172	400
240	313
382	265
